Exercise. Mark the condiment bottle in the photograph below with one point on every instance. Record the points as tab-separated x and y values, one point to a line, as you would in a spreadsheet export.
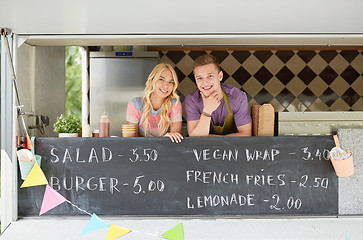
86	129
104	125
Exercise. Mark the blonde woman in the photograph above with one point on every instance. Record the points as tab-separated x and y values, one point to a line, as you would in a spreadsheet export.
159	112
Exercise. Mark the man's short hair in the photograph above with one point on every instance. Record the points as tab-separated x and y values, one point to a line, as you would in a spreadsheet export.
204	60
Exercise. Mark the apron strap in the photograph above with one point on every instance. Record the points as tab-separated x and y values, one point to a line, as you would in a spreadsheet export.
225	97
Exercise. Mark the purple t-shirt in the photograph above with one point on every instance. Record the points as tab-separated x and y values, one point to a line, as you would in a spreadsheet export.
237	102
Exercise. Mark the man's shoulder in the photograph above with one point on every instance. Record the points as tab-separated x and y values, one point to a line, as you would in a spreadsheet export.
231	90
193	96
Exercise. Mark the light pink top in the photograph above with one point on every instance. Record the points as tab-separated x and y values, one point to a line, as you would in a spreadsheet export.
134	115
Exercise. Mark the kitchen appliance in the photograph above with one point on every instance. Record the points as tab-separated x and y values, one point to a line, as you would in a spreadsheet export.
116	78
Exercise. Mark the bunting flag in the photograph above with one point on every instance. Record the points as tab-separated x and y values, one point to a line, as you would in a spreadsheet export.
95	223
116	232
35	177
28	144
51	199
176	233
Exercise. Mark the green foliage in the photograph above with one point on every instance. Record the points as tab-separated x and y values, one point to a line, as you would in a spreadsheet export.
67	124
73	81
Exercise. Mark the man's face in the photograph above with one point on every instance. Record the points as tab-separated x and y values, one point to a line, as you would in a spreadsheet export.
208	78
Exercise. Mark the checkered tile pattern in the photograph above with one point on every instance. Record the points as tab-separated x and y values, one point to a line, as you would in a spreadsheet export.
291	80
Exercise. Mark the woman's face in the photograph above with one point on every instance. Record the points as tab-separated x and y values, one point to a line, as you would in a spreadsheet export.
164	85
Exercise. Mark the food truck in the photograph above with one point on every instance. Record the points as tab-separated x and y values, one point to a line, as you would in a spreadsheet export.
303	60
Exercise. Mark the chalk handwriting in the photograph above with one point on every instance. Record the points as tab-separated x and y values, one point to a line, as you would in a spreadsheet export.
209	177
93	156
221	200
207	154
265	155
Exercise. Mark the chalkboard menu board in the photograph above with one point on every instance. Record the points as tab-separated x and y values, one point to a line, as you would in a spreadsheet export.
223	176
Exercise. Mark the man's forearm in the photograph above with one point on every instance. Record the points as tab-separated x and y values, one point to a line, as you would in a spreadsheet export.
202	128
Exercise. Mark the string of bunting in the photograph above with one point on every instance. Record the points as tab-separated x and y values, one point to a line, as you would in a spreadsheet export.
52	199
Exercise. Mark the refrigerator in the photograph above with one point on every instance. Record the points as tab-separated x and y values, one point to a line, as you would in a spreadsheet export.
116	78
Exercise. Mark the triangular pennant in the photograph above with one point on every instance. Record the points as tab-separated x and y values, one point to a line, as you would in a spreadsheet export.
35	177
28	144
51	199
95	223
176	233
116	232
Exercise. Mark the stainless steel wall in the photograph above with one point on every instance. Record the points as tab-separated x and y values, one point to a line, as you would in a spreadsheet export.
41	83
114	81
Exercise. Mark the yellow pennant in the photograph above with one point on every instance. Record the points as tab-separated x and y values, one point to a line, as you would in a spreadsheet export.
36	177
116	232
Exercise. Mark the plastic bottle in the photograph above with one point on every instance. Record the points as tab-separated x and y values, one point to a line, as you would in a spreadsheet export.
104	125
86	129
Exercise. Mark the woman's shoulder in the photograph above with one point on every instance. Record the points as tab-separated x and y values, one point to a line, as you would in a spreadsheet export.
176	103
173	101
176	107
138	103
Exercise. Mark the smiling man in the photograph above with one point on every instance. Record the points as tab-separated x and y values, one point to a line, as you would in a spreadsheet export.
215	108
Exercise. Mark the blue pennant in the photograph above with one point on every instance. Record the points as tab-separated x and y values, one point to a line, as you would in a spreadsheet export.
95	223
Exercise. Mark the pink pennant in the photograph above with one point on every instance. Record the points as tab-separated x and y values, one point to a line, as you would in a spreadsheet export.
51	199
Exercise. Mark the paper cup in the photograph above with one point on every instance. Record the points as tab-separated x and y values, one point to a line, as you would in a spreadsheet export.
25	155
128	126
126	134
344	167
26	167
95	133
128	130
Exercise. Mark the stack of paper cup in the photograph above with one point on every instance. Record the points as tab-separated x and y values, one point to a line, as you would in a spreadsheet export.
342	161
128	130
27	161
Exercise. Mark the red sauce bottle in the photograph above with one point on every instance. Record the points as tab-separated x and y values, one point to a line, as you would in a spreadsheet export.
104	125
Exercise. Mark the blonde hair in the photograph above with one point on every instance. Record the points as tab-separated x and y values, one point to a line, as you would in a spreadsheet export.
164	122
